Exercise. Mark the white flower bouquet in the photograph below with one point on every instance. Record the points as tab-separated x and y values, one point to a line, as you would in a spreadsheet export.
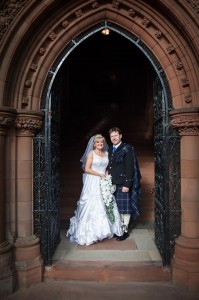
107	190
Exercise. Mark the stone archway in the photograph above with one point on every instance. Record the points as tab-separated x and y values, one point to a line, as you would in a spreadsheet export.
169	201
27	62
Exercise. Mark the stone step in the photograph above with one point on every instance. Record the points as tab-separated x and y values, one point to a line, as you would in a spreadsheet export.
107	271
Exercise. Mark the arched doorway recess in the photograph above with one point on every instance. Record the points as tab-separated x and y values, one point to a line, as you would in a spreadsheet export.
167	216
27	64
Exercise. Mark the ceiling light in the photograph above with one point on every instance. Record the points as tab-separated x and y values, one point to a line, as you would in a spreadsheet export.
105	31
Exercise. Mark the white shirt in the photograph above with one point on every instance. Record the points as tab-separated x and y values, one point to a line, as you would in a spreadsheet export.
117	145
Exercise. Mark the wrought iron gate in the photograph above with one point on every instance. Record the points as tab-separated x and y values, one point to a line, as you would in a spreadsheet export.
167	177
47	176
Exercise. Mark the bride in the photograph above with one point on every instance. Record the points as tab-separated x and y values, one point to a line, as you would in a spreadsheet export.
90	222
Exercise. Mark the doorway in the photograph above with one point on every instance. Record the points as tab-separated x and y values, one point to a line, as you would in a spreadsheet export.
105	83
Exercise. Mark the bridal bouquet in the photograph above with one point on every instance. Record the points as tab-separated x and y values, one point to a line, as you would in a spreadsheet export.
107	190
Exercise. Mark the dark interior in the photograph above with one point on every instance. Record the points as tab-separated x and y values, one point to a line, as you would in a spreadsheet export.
106	81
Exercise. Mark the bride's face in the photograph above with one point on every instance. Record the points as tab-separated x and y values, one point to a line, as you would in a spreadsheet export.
99	144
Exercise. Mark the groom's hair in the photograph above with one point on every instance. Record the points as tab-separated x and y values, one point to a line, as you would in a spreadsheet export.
115	129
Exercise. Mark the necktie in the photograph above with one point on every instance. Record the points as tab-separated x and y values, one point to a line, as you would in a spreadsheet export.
114	149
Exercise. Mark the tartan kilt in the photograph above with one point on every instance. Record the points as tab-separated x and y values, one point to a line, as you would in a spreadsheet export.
123	201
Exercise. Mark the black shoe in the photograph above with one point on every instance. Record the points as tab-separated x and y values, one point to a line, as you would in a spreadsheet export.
115	236
123	237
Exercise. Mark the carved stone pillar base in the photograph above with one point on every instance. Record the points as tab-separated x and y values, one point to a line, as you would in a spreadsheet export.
185	265
7	273
28	262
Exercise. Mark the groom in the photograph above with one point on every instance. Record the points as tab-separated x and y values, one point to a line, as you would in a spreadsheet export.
123	167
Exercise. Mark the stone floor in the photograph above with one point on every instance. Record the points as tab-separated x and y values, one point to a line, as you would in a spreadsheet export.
139	246
134	259
139	249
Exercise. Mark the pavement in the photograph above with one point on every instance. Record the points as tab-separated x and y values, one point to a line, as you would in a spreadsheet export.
77	290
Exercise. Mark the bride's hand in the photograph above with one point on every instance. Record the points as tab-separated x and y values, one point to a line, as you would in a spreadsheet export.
102	176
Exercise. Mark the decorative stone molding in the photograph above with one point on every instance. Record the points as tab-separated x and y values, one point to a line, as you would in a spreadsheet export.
8	14
28	123
158	34
179	65
11	236
185	81
79	13
145	22
52	36
6	264
7	117
26	241
28	83
170	49
28	261
115	4
188	98
25	100
5	247
42	51
84	8
28	264
186	121
64	24
95	5
34	67
194	4
132	13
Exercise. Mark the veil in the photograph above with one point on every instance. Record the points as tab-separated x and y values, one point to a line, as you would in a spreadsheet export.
89	148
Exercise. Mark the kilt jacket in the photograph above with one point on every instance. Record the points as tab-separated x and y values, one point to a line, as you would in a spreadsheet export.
124	169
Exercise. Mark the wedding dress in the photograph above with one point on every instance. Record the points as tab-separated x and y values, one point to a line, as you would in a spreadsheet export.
90	222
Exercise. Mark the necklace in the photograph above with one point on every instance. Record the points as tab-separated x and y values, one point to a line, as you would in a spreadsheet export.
100	153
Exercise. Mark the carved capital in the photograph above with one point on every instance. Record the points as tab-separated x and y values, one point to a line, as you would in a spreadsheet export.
28	123
187	122
7	117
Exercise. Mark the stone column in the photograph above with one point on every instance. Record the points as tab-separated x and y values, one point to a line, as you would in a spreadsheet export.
185	264
29	266
7	117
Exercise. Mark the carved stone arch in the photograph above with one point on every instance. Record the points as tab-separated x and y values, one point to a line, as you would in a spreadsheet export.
77	40
162	105
45	43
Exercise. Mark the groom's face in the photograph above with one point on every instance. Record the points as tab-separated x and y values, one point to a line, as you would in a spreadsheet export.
115	137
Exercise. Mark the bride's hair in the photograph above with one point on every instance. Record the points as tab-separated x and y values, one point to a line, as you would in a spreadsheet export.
98	137
90	146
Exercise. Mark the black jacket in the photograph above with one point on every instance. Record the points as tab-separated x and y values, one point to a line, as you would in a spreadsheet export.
121	166
124	168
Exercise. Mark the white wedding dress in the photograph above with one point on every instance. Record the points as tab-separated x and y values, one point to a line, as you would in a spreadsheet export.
90	222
